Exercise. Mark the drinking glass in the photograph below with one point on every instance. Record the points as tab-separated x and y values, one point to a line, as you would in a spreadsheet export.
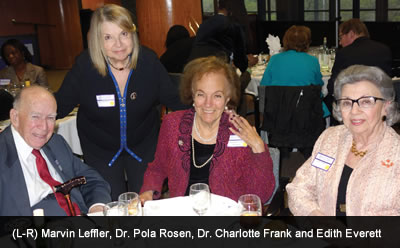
115	208
250	205
200	197
14	88
132	202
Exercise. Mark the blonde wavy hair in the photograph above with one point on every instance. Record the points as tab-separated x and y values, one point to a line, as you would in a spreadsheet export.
123	19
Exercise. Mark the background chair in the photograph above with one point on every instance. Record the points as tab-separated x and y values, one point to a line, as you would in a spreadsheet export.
292	118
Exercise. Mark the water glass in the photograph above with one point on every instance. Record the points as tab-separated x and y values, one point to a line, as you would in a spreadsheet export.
200	197
115	208
250	205
14	88
132	202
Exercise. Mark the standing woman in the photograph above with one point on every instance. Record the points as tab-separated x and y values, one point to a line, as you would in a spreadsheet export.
19	67
118	85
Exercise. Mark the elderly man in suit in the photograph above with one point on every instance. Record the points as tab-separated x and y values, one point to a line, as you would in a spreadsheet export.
358	49
33	160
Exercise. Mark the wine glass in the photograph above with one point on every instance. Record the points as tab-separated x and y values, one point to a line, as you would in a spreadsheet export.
115	208
132	202
14	88
250	205
200	197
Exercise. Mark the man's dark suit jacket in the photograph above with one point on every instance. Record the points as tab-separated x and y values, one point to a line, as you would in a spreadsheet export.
14	198
220	36
363	51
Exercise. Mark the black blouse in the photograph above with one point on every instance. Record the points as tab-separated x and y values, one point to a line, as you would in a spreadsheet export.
341	198
200	175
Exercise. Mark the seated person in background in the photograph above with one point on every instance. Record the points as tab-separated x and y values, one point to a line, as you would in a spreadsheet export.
194	145
178	44
294	66
358	49
354	168
33	159
20	69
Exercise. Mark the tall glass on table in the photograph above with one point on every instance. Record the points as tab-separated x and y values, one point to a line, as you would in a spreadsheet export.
250	209
132	203
200	197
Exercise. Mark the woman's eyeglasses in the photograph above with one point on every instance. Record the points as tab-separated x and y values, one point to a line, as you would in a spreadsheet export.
364	102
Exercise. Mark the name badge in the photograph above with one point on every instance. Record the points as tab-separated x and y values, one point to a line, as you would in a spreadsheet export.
323	162
104	101
5	81
236	141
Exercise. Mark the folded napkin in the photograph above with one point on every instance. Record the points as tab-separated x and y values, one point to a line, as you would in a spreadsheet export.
274	44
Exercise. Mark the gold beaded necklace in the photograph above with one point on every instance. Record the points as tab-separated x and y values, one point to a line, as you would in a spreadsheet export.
357	152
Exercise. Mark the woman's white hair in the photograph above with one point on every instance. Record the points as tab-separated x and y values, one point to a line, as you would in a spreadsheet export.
356	73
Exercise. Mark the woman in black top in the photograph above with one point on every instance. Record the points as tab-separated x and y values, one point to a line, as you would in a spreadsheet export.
118	85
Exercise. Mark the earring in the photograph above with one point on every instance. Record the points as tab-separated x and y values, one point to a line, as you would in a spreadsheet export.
193	104
226	107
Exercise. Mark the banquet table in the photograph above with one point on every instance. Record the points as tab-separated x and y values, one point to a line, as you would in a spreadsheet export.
66	127
182	206
257	73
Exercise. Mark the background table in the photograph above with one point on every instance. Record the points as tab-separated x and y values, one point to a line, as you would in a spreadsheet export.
257	73
66	127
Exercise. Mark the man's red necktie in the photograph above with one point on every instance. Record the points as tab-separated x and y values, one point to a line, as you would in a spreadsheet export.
44	173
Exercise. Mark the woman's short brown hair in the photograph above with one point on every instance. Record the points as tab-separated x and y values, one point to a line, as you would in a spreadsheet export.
297	38
197	68
123	19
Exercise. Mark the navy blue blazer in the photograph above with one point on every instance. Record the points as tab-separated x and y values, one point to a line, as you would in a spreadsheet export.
14	198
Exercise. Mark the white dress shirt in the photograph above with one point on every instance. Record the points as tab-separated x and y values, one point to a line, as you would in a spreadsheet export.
37	188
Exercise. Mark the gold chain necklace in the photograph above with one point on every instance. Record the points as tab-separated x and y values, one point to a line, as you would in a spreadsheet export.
194	162
357	152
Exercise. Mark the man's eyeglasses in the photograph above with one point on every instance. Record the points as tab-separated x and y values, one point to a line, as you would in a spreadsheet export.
341	36
364	102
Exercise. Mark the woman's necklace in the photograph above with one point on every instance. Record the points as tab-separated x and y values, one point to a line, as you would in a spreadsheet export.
194	162
116	68
357	152
198	133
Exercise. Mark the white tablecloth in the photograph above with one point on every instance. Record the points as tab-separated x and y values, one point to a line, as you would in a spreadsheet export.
257	74
182	206
66	127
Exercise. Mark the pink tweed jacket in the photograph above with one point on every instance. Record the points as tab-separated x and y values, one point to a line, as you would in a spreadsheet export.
373	187
234	171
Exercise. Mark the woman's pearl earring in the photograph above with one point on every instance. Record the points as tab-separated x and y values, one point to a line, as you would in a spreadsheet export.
193	104
226	107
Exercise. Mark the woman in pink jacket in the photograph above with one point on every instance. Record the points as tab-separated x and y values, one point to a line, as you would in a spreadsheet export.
354	168
205	145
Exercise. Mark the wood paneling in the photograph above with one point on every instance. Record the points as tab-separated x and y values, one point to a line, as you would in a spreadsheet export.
155	17
94	4
22	11
61	42
55	23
